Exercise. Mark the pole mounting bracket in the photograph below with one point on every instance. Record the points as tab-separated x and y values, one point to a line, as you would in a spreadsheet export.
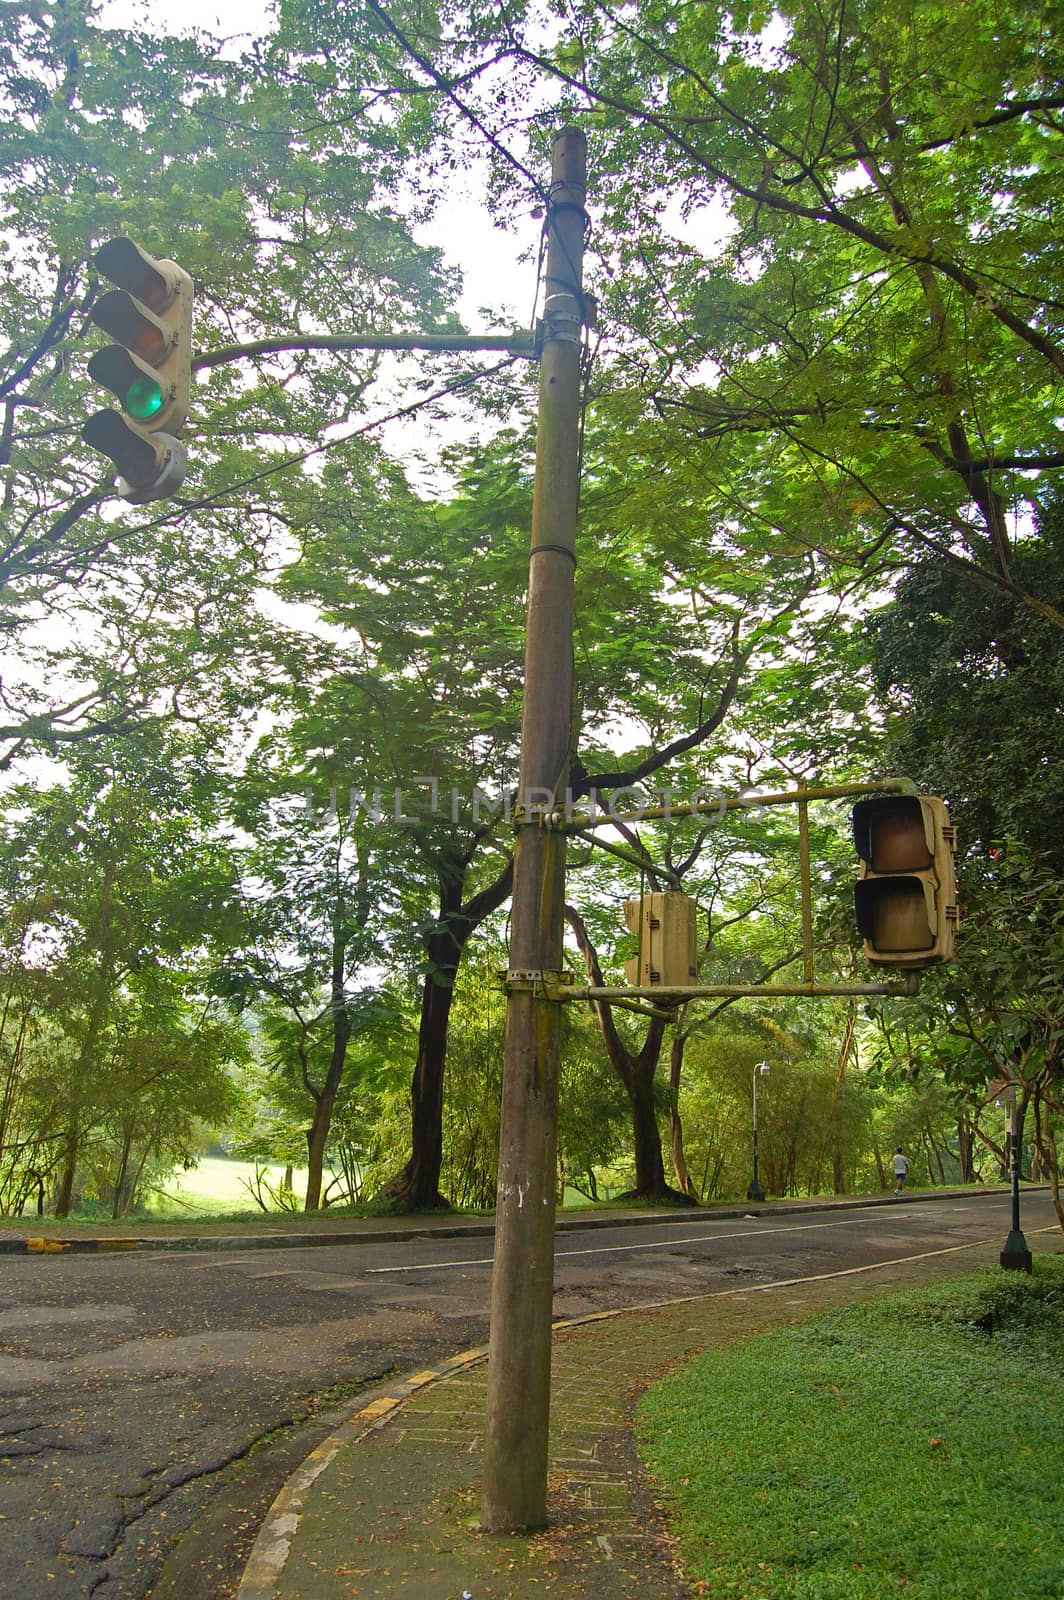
533	980
537	816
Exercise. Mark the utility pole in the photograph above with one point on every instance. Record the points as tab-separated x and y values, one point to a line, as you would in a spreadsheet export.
518	1403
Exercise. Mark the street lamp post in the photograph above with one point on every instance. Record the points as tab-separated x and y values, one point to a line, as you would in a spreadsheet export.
756	1190
1016	1254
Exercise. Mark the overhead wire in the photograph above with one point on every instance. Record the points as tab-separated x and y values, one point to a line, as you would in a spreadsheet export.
464	381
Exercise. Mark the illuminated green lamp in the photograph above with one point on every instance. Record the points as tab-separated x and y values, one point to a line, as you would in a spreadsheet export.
127	368
134	383
143	398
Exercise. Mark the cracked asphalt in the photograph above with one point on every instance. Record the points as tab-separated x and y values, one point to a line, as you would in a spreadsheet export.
130	1386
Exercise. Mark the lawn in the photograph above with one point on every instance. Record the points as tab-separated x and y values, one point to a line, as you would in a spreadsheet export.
215	1185
912	1445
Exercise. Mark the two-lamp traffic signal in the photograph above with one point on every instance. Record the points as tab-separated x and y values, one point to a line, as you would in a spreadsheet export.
148	368
906	897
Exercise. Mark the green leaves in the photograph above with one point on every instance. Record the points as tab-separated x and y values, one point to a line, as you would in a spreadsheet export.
258	178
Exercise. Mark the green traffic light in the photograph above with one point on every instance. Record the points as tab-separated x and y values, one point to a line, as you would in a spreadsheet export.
144	398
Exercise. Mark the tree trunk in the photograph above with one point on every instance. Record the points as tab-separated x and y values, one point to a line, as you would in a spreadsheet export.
646	1138
117	1208
679	1158
417	1186
317	1138
1046	1146
72	1143
70	1163
966	1149
325	1097
838	1159
881	1170
636	1072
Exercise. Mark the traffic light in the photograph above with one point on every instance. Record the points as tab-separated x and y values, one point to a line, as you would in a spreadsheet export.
667	929
148	369
905	898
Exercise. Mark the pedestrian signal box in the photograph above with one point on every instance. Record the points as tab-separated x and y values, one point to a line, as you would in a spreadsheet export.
668	941
905	898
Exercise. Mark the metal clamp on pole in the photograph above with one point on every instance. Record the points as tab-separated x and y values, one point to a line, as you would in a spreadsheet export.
527	980
562	318
536	816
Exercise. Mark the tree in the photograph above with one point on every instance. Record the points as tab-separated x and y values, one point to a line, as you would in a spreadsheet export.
283	217
837	320
968	681
742	873
967	677
114	895
311	932
414	727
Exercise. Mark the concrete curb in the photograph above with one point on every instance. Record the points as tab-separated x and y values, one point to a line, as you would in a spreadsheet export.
681	1216
270	1550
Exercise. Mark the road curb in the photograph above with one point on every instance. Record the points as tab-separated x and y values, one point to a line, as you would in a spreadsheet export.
271	1548
58	1247
680	1217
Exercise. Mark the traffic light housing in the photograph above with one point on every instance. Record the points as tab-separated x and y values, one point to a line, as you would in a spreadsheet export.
668	934
905	898
148	369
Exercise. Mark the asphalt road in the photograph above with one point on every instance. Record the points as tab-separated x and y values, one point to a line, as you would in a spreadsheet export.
137	1391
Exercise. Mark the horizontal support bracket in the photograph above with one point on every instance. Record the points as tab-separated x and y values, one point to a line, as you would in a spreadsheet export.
738	991
713	807
515	344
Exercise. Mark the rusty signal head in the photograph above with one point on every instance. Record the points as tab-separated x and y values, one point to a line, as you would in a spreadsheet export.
905	898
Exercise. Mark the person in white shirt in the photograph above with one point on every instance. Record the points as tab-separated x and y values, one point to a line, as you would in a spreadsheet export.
901	1171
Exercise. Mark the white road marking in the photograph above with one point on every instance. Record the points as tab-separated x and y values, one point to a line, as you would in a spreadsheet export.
617	1249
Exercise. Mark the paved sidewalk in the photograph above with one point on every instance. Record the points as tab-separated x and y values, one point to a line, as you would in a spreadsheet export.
388	1506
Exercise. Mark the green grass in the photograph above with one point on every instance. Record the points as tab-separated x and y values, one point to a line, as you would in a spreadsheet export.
215	1184
911	1446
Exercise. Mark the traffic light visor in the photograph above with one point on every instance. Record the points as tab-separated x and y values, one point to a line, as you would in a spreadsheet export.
118	314
893	833
136	457
132	268
151	466
135	385
896	915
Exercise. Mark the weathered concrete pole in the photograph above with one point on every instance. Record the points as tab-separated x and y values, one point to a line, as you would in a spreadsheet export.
518	1406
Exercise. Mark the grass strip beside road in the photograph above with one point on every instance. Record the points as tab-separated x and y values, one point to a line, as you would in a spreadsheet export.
909	1446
